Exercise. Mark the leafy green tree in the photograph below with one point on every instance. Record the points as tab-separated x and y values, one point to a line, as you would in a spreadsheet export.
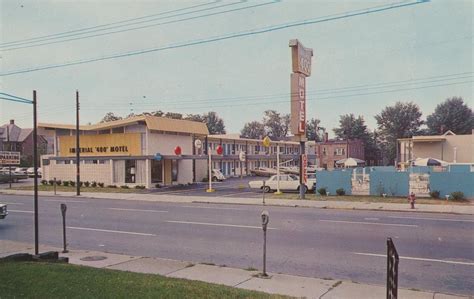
173	115
403	120
276	125
253	130
312	130
214	123
110	116
194	117
453	114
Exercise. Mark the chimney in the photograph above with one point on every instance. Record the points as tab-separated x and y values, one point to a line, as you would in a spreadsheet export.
12	121
326	137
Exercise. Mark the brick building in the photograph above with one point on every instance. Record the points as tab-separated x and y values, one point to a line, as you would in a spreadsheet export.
331	150
16	139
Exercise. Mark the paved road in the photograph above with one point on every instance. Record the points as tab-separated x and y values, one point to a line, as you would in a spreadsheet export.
437	250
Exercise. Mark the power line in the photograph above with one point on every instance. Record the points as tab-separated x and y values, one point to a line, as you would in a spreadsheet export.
349	14
313	92
108	24
143	27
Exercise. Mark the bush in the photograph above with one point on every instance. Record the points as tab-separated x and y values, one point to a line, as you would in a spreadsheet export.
322	191
93	184
44	182
59	182
157	186
81	184
87	184
66	183
111	186
125	187
72	183
51	182
434	194
457	195
139	187
340	191
101	185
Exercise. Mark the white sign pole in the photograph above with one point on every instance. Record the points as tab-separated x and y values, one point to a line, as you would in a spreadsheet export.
210	171
278	170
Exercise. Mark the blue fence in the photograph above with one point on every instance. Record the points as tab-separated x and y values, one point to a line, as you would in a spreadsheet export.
390	183
333	180
448	182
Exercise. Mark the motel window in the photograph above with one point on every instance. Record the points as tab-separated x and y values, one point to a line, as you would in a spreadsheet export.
130	169
104	132
103	161
59	162
45	162
118	130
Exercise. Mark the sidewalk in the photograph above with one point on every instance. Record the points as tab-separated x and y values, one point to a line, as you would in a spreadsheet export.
282	284
374	206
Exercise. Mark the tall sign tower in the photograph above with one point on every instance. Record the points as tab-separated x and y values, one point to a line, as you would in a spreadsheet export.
301	67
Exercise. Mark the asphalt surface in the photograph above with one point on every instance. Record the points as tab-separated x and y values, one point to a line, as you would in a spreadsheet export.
436	250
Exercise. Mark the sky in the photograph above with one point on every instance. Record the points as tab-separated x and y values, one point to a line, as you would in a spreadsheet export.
421	53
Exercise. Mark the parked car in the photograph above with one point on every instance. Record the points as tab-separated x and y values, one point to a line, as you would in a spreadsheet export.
217	175
31	172
20	170
3	211
289	182
5	177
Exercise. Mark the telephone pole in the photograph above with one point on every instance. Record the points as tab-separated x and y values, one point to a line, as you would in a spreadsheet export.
35	166
78	168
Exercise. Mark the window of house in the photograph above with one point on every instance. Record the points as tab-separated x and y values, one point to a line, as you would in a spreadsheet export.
118	130
104	131
324	151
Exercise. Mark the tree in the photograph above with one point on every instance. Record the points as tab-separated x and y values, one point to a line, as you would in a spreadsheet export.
195	117
403	120
312	130
110	116
453	114
253	130
351	127
276	126
214	123
173	115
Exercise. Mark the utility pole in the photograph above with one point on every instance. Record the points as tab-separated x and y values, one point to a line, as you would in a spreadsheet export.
35	166
78	168
9	165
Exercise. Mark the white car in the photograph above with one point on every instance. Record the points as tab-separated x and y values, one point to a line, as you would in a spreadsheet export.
287	182
217	175
31	172
20	170
3	211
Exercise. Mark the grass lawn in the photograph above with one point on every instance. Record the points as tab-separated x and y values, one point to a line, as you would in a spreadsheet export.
379	199
43	280
83	189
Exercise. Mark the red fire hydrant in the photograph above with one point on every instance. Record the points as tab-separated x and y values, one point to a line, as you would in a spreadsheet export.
412	199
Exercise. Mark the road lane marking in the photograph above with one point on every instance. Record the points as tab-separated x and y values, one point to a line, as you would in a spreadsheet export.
13	203
370	223
215	208
110	231
18	211
218	224
137	210
434	219
372	219
64	201
418	259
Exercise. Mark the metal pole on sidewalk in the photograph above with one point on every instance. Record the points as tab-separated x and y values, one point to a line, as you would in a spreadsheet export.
10	149
265	219
54	184
35	171
263	192
63	212
302	185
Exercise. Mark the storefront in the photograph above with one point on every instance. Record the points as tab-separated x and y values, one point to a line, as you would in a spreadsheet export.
138	151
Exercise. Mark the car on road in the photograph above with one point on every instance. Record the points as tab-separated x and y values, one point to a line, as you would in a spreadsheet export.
289	182
20	170
3	211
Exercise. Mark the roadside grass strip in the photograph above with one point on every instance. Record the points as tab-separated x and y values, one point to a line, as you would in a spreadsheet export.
42	280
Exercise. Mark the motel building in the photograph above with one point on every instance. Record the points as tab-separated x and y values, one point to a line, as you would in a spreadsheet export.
149	150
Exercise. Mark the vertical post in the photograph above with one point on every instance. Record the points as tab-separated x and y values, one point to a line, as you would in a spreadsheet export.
63	212
35	171
278	170
263	192
78	168
9	165
210	170
302	186
265	219
54	184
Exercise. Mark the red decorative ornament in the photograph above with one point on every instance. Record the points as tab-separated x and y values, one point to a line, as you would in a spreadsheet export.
219	150
177	150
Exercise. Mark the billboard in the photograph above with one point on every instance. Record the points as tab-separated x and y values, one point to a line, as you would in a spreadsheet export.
301	58
9	158
120	144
